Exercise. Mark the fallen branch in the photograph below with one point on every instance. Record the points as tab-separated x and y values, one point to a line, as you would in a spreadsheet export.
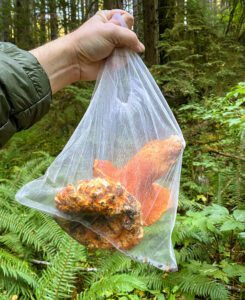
235	289
88	269
41	262
225	154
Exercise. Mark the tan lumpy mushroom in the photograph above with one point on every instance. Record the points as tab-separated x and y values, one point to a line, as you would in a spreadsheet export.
118	202
113	214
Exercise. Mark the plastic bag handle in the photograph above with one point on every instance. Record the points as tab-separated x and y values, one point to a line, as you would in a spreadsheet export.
118	17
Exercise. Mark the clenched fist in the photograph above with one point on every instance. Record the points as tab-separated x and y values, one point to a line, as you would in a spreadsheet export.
79	55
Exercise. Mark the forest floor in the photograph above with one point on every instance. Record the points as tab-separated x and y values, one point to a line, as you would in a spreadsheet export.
209	231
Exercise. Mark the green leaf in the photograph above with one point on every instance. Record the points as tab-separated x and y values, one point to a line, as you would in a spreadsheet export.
133	297
239	215
242	278
232	225
160	297
234	121
189	297
242	235
233	269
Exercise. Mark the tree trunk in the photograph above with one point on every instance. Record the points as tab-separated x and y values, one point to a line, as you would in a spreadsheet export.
90	7
113	4
64	13
73	22
151	31
5	21
82	8
42	35
166	16
23	24
179	11
33	9
95	7
138	18
53	19
42	21
241	21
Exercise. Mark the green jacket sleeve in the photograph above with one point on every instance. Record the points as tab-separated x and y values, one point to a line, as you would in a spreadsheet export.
25	93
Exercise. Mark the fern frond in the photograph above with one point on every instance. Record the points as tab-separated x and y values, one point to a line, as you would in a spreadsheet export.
202	286
3	296
49	231
111	264
152	277
192	252
109	285
19	270
7	191
153	281
7	194
117	262
187	204
58	280
11	286
11	241
26	230
32	169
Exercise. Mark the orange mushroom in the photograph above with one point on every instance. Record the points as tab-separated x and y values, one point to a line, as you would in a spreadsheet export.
153	161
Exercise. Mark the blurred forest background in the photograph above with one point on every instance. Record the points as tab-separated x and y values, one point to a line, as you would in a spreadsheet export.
195	51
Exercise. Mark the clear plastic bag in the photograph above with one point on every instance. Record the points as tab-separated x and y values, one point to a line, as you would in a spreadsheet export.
116	182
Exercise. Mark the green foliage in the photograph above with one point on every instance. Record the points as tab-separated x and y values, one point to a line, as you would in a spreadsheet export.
201	60
50	134
58	280
39	261
113	284
225	111
16	275
198	58
215	146
34	238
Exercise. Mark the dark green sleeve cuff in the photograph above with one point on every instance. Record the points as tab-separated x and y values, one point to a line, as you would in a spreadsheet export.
25	92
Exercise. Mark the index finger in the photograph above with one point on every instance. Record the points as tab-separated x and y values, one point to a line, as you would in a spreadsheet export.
106	16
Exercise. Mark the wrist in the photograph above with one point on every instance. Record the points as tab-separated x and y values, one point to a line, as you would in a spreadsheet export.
59	61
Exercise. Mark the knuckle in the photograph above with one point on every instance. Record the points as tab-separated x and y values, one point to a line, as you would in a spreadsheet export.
129	19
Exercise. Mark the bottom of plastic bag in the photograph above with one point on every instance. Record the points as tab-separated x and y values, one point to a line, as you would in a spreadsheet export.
159	248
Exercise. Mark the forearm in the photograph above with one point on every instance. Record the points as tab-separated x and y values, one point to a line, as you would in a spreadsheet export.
58	59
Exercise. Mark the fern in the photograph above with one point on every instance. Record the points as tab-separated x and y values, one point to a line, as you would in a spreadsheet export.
194	251
32	169
17	271
234	270
12	243
25	230
201	286
112	284
40	261
117	262
32	234
49	231
58	280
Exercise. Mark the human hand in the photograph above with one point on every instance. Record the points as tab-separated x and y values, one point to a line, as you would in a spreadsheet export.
98	37
79	55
